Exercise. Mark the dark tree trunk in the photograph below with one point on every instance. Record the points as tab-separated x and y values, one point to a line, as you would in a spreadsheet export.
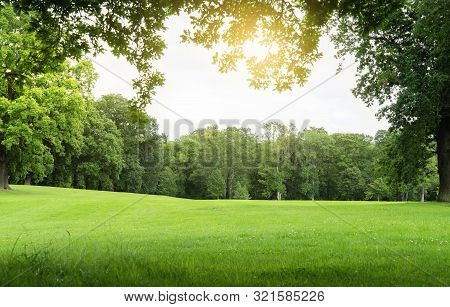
443	153
27	180
4	176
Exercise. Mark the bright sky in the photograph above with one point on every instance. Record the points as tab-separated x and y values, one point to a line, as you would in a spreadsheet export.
196	90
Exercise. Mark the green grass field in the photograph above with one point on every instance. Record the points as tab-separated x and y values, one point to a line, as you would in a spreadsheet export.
64	237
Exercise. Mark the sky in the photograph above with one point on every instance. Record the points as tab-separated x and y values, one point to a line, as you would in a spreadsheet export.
196	91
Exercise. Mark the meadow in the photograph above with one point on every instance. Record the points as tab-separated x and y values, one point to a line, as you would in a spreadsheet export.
68	237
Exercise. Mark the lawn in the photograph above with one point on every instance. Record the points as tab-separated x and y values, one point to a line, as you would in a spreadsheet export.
66	237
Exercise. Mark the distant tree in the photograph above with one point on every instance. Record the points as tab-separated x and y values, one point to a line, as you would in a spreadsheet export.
216	184
402	160
378	189
241	191
139	135
354	156
428	181
309	177
150	155
167	183
101	159
237	146
272	181
314	148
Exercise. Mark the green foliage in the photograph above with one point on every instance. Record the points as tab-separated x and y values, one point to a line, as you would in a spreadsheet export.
378	189
167	183
272	182
289	42
141	143
354	156
215	184
404	65
44	122
23	54
130	28
101	159
241	191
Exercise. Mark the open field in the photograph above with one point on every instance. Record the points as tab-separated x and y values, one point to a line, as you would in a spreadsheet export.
65	237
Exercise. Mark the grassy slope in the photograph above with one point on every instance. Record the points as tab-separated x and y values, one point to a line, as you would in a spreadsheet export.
47	235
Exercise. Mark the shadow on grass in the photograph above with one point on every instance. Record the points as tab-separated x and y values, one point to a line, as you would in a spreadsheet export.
133	269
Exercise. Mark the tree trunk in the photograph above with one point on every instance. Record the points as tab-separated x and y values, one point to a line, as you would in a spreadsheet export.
312	198
378	198
406	195
443	153
4	176
422	195
27	180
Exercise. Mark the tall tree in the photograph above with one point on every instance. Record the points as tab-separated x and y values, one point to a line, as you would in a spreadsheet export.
241	191
23	55
167	183
216	184
101	160
45	122
405	59
378	189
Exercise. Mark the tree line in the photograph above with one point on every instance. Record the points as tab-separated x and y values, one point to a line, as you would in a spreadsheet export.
57	134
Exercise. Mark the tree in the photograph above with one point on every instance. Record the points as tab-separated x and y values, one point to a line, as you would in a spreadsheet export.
405	60
45	122
118	109
402	161
313	152
241	191
167	183
354	163
309	179
216	184
150	155
101	159
272	181
378	189
141	143
62	174
23	56
429	180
